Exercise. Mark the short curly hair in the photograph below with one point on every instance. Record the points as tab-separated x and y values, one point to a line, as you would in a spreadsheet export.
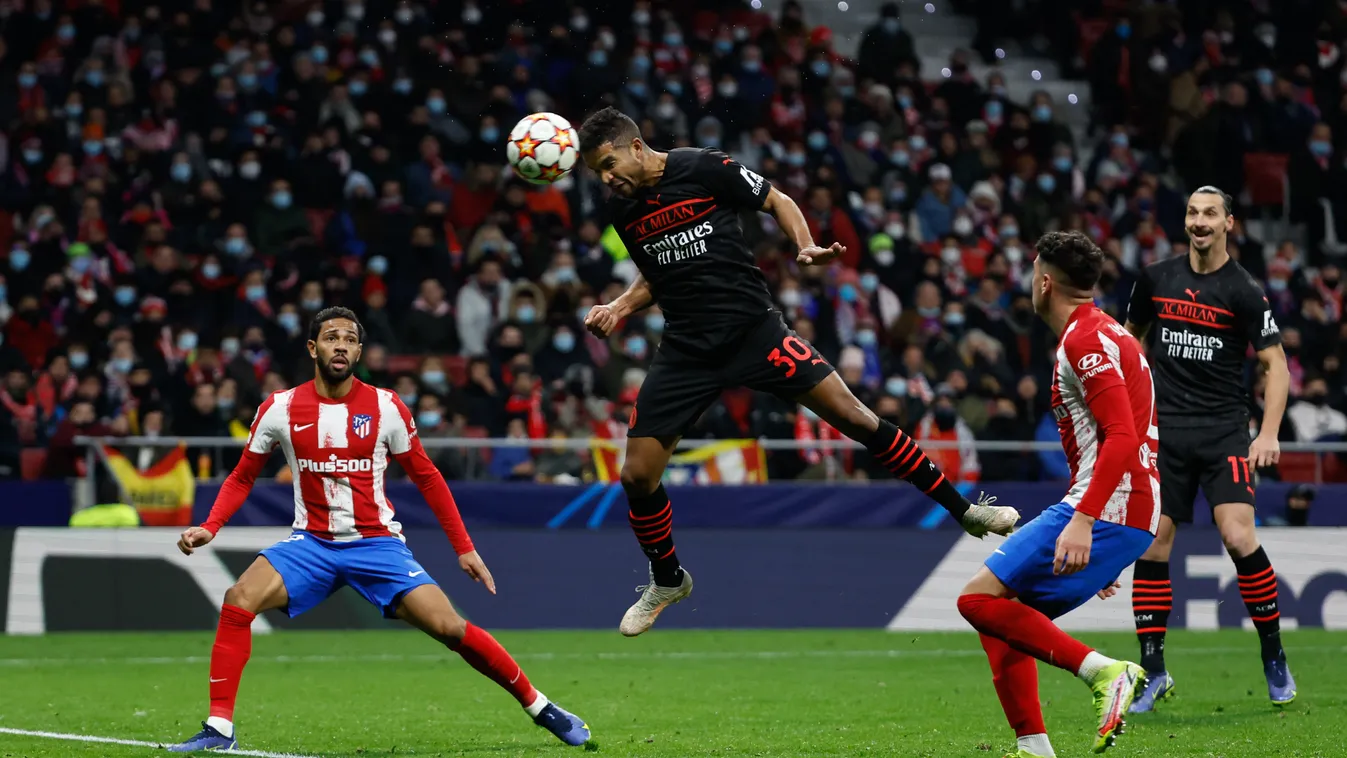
1075	255
336	311
607	125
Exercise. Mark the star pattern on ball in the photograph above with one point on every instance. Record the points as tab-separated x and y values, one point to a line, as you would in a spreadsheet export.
527	146
552	173
563	139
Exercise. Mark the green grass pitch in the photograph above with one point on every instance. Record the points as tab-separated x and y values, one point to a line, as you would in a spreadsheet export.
749	693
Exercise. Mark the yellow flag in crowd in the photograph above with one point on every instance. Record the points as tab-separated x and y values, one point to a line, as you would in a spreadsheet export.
163	494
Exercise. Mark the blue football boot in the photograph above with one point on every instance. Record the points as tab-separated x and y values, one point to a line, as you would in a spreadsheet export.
209	738
567	727
1159	686
1281	686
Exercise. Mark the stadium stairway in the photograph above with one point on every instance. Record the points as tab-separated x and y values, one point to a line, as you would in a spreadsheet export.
938	31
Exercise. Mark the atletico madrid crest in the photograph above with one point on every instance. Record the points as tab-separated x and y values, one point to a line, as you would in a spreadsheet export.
360	424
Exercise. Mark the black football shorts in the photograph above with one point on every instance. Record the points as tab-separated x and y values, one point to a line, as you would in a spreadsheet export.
1213	458
679	387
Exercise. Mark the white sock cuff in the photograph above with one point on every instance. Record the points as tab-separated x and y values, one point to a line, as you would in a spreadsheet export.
222	725
1037	744
539	703
1092	665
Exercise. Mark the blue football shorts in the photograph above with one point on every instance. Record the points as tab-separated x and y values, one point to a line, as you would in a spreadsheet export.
1024	561
381	569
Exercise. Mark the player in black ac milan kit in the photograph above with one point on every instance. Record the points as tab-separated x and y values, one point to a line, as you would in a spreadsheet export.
678	214
1199	314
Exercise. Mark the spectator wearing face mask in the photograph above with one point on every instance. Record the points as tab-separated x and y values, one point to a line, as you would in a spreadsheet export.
935	209
1314	419
527	312
1297	512
956	457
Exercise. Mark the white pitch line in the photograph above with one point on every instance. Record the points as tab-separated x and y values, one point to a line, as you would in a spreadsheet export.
138	743
600	656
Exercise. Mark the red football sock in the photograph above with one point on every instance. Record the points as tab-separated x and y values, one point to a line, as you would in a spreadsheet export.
1024	629
1016	678
483	653
233	646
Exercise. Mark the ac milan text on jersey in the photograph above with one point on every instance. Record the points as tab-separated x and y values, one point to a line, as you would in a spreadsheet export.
338	451
1201	329
1104	401
685	237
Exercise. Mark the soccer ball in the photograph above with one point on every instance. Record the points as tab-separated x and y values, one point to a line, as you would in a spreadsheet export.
543	148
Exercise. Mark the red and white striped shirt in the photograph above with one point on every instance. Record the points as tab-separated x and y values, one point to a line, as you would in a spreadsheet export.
1103	398
338	452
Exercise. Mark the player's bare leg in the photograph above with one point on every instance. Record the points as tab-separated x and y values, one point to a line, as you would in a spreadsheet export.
1152	601
651	517
1258	588
259	589
427	608
987	604
834	402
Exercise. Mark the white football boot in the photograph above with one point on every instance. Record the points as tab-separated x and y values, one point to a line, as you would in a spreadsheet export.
985	517
654	599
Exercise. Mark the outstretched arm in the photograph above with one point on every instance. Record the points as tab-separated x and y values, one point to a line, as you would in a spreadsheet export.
262	437
421	470
602	320
638	297
791	220
405	448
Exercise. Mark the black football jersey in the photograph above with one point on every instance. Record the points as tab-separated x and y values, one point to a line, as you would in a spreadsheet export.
684	235
1201	327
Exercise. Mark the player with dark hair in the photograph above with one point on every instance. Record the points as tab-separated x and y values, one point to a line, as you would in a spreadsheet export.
1104	402
1200	313
337	434
678	214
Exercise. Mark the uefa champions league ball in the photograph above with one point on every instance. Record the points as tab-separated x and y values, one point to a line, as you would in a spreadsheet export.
542	148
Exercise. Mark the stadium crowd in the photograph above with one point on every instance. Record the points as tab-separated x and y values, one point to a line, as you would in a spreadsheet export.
183	186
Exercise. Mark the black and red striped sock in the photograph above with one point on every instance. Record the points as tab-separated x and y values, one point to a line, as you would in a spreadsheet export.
651	519
1258	588
904	458
1152	600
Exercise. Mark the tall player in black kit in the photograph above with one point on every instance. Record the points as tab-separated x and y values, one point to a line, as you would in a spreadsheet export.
1202	312
678	214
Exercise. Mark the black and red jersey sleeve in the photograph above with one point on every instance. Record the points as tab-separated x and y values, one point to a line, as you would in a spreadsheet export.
732	183
1254	316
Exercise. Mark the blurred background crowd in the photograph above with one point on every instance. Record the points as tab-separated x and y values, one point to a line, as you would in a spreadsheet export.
183	183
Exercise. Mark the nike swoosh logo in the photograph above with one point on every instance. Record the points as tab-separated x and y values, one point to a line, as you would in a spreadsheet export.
998	550
299	428
213	681
416	573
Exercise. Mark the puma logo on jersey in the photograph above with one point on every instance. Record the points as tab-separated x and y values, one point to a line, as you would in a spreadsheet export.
1192	293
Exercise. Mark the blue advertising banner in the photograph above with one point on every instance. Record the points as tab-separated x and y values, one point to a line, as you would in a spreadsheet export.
789	505
903	580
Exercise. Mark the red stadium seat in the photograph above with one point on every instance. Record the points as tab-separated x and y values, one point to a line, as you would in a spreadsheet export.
456	366
404	364
31	462
1297	467
1265	176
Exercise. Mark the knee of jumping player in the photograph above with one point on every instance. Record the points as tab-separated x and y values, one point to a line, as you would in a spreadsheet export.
639	478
